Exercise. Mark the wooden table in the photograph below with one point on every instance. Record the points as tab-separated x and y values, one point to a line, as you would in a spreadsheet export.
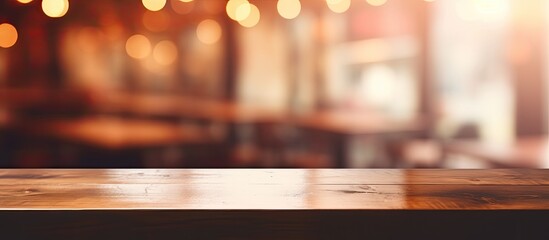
110	141
274	204
176	108
181	107
525	152
116	133
343	126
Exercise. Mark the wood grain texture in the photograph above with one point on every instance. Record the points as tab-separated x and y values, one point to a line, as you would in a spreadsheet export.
273	204
290	189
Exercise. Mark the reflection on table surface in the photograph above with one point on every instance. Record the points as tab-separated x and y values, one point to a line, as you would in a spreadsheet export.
275	189
524	152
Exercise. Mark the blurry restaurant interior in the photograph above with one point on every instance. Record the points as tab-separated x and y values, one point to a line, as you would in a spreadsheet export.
274	83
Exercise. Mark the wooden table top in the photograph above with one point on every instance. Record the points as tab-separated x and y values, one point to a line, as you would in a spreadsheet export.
117	133
270	189
525	152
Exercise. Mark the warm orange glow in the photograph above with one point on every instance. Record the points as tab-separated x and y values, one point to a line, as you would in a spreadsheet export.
214	7
165	52
238	9
181	7
138	46
338	6
376	2
208	31
24	1
156	21
154	5
288	9
186	1
55	8
8	35
253	17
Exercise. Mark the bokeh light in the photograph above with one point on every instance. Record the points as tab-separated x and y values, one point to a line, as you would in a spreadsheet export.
253	17
376	2
138	46
243	11
165	52
338	6
8	35
24	1
154	5
288	9
238	9
55	8
208	31
185	1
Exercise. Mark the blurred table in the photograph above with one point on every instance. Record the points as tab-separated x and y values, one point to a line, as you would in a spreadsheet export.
274	204
110	141
343	126
181	107
524	152
116	133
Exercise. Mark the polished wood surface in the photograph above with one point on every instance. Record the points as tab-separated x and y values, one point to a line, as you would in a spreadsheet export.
273	204
115	133
524	152
269	189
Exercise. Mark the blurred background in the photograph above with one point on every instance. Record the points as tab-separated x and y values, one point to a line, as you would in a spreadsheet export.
274	83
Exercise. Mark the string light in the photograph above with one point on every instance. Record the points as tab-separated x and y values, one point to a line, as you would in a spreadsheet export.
242	11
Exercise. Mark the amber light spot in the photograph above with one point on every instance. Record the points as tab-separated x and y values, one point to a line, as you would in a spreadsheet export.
55	8
8	35
138	46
